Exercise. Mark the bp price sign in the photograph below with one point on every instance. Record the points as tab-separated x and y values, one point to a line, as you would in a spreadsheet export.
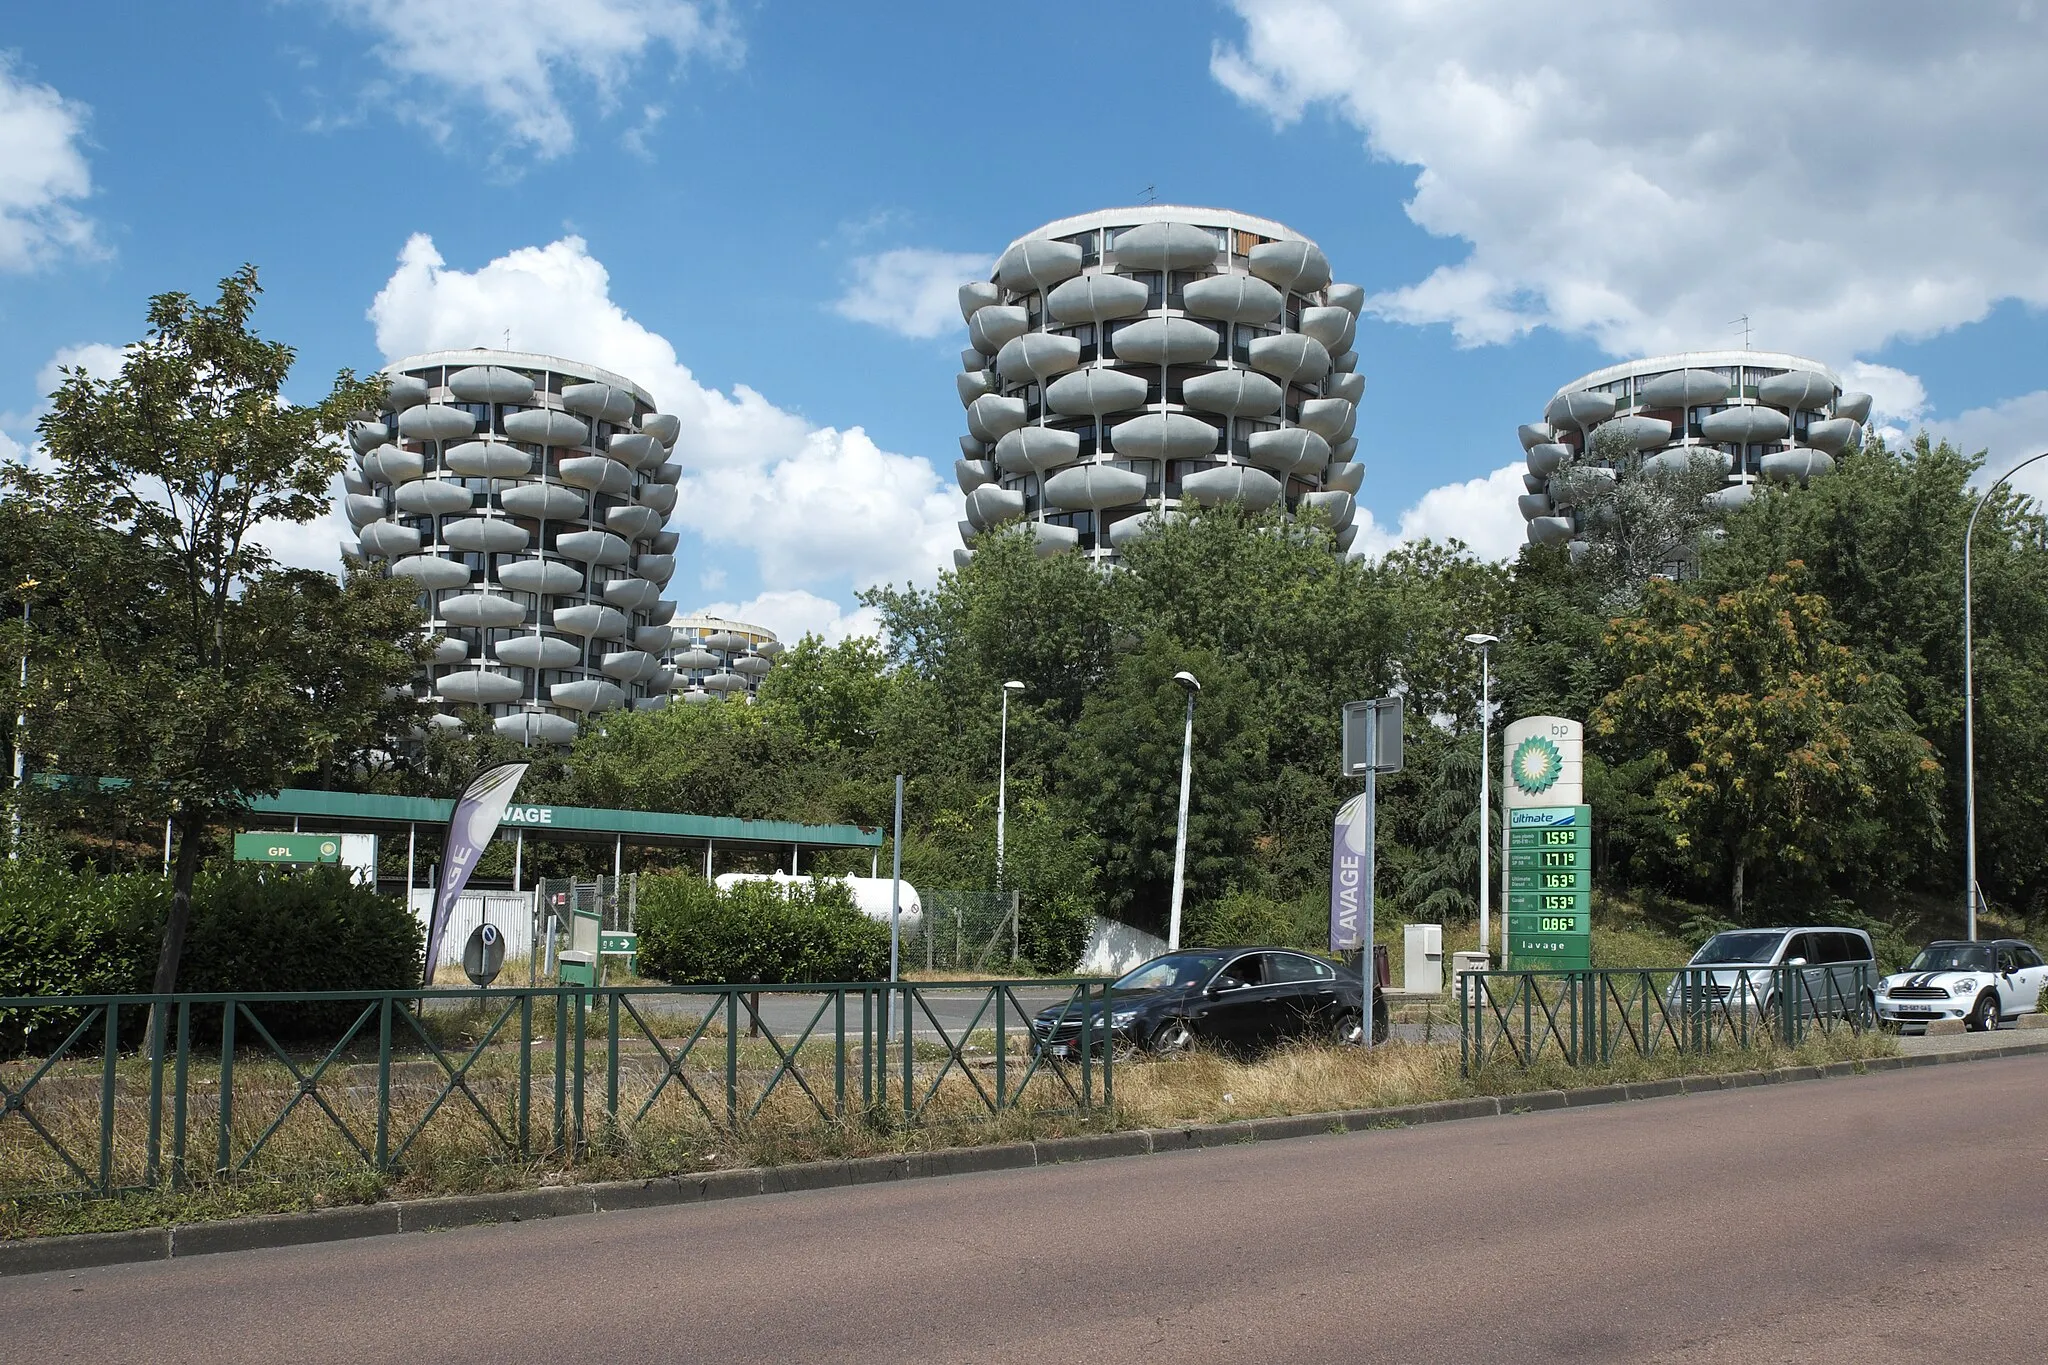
1550	886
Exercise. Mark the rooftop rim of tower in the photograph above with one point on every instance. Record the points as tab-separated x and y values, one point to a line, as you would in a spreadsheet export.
702	621
1697	360
522	360
1134	214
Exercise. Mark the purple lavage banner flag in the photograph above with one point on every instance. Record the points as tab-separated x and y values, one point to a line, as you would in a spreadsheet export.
470	827
1350	897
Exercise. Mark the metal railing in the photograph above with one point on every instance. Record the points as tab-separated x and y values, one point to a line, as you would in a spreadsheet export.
219	1086
1591	1018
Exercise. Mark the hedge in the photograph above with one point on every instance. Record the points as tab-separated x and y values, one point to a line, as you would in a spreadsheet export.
252	929
693	933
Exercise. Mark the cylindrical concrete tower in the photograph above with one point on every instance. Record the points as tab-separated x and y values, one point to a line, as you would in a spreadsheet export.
527	496
1132	361
715	659
1760	414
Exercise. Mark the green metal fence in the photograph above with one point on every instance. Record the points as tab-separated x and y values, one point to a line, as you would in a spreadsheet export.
1591	1018
94	1100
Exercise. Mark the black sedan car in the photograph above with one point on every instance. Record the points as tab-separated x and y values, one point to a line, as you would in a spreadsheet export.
1239	999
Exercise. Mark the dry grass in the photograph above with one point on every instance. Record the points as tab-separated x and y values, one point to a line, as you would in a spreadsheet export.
308	1163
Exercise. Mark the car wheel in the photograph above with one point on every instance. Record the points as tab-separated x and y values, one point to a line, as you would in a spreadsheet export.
1380	1026
1984	1016
1347	1029
1172	1038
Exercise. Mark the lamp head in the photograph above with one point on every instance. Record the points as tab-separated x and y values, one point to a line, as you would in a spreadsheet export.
1187	680
1482	641
1013	686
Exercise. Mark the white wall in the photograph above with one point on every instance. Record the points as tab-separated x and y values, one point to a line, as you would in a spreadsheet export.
511	911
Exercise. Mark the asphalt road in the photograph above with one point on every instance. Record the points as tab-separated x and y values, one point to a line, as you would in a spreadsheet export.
1897	1217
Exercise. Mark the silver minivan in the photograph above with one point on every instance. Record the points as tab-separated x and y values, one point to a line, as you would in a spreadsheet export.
1838	968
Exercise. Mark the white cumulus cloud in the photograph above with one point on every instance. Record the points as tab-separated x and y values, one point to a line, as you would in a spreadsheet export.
911	290
1481	512
794	613
97	358
511	61
2007	433
810	504
1841	172
43	174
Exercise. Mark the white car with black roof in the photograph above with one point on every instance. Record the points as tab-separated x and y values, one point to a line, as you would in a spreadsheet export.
1984	983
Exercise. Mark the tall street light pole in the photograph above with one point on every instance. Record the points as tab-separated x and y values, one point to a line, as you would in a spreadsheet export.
20	729
1484	644
1003	776
1970	702
1180	838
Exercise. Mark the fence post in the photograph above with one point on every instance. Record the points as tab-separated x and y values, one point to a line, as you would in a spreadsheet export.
576	1097
178	1090
1015	904
384	1083
1464	1031
109	1058
909	1058
225	1151
559	1135
732	1057
525	1072
839	1052
611	1067
159	1034
1002	1048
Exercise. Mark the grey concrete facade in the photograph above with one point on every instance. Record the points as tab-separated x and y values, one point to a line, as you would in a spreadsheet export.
719	660
527	496
1126	364
1765	416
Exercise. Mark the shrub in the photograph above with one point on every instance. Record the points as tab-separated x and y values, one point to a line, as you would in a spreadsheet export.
1052	931
252	929
693	933
1239	917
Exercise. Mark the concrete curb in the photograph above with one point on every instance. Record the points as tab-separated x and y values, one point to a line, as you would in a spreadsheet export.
33	1256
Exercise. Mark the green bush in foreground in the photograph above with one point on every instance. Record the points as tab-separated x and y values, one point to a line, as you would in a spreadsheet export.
693	933
253	929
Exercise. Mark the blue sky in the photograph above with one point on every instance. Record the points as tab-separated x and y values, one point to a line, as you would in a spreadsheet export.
760	211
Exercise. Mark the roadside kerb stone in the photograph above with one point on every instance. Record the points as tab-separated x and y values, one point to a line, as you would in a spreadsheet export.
84	1251
1596	1094
510	1206
286	1229
31	1256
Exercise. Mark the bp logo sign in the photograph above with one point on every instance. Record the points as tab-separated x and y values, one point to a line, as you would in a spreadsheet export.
1536	765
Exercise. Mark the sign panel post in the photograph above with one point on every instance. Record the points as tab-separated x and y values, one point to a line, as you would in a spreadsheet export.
1547	846
1371	746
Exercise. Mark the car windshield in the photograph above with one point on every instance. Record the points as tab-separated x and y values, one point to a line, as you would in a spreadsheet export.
1746	945
1172	971
1953	957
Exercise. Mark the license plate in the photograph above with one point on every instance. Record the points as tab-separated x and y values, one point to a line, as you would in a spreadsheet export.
1061	1050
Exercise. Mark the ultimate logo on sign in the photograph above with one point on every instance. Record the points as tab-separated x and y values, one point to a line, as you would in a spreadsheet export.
1536	765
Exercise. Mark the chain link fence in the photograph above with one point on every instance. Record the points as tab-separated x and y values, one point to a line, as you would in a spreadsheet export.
964	931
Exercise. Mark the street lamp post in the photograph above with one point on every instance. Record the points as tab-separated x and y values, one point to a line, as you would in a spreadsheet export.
1003	776
20	729
1180	838
1970	704
1484	644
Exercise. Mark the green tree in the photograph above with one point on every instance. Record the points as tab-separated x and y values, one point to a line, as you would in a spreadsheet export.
1123	771
1776	747
1882	540
204	674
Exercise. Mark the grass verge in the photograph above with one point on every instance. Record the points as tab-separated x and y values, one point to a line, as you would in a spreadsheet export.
316	1171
